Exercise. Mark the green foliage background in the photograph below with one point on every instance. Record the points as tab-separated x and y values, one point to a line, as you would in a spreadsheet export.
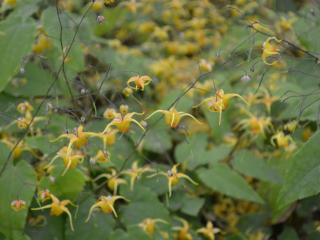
248	188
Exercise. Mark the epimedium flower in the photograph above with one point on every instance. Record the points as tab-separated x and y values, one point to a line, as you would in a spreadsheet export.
108	137
255	125
271	50
113	180
122	120
109	113
106	205
173	117
182	232
18	205
209	231
139	82
101	157
58	207
77	139
148	225
281	140
70	159
173	177
135	172
219	102
267	100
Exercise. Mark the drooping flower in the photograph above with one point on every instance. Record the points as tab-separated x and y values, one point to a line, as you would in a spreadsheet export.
70	159
148	225
139	82
209	231
173	117
271	51
183	232
219	102
113	181
58	207
173	177
135	172
106	205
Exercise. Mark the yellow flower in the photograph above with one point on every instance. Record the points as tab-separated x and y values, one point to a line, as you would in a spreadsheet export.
25	108
108	137
148	225
43	43
44	195
268	100
281	140
255	125
70	159
219	102
101	157
139	82
11	3
209	231
173	117
106	204
18	205
205	66
109	113
97	5
113	180
135	172
19	149
58	208
173	177
183	231
123	122
78	138
271	50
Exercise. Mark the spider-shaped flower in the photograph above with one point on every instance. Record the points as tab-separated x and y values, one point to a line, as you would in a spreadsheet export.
123	122
113	181
139	82
173	177
271	50
183	231
148	225
101	157
209	231
58	208
70	159
281	140
108	137
106	204
135	172
219	102
173	117
255	125
77	139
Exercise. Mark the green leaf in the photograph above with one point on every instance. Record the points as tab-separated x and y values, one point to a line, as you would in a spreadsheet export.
302	177
289	234
248	164
68	186
37	83
158	140
192	205
223	179
17	183
16	40
143	204
193	152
